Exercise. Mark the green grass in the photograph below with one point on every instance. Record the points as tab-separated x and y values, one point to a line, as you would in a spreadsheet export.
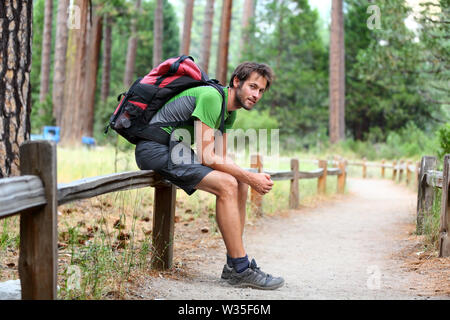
432	221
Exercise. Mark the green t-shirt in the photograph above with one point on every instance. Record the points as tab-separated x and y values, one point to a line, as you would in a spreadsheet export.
203	103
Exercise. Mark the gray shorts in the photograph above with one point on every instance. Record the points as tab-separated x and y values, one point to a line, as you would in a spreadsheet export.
184	171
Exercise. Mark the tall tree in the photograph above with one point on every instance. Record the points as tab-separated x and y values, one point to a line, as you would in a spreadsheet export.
59	72
73	110
15	91
387	74
247	15
337	73
95	38
132	45
186	39
207	35
434	37
158	33
106	69
224	39
46	50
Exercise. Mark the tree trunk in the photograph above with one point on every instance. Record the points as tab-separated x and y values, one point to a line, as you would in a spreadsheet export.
15	94
224	39
46	50
73	109
247	15
132	46
59	72
186	40
207	35
158	34
95	40
337	74
106	70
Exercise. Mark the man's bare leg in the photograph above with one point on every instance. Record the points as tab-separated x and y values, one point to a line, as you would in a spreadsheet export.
242	202
228	215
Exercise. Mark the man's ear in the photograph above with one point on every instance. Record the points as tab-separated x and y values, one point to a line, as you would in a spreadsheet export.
236	82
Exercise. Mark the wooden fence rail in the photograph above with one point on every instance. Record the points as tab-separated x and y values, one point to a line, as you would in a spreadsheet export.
35	196
429	180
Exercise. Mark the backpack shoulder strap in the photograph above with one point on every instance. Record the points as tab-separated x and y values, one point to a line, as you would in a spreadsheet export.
215	84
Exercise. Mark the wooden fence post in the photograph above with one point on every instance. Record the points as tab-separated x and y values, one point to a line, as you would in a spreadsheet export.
425	193
382	168
417	173
364	168
341	177
255	197
294	194
394	170
322	181
444	241
400	171
408	172
163	225
38	227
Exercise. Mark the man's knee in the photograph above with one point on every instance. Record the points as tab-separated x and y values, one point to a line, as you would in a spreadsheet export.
228	185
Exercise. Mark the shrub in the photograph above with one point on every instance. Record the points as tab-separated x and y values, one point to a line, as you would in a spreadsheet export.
444	140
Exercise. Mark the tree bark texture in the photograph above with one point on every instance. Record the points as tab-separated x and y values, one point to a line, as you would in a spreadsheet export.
186	40
224	41
158	33
59	68
95	40
46	50
337	74
73	109
106	69
15	94
247	15
207	35
132	47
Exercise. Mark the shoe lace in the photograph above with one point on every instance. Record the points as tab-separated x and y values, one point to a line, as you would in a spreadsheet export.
255	267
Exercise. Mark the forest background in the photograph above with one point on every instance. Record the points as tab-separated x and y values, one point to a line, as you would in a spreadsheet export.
396	75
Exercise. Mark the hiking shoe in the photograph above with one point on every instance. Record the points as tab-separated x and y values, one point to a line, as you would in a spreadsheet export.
226	272
255	278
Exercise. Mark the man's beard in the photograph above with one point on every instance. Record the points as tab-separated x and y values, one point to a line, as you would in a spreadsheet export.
238	100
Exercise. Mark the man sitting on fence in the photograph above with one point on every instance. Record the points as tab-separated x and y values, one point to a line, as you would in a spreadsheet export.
210	170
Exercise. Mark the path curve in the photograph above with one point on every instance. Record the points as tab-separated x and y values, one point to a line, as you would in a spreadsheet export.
346	248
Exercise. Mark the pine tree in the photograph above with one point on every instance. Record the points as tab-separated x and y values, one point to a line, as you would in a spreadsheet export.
186	39
15	91
337	73
207	35
46	50
224	39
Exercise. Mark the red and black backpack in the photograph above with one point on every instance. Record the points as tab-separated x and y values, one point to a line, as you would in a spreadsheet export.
147	95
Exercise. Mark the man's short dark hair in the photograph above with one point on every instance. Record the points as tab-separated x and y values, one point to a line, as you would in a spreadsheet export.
245	69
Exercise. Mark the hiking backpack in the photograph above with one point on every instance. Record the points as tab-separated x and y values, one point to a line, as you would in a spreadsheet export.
147	95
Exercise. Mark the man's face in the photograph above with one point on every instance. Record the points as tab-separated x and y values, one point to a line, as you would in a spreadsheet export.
250	91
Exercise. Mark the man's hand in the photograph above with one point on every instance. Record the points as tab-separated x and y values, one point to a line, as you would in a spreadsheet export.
261	182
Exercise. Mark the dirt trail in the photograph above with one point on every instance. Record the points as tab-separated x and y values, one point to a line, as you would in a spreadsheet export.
347	248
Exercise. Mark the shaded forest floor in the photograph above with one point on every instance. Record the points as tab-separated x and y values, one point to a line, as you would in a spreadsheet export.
357	246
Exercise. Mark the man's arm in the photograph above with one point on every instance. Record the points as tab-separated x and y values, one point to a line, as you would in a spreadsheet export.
204	136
